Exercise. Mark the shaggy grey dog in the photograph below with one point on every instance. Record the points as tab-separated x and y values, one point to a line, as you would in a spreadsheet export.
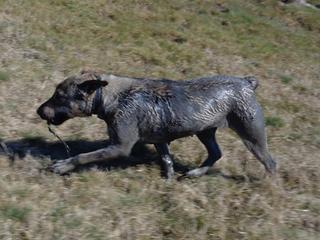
158	112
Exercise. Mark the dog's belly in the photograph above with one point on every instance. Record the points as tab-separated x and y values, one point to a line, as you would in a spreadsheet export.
163	135
159	132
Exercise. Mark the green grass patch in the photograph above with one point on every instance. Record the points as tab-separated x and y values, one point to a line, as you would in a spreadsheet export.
4	76
15	213
276	122
286	79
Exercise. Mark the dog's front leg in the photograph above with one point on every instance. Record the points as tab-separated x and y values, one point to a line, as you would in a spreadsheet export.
110	152
123	134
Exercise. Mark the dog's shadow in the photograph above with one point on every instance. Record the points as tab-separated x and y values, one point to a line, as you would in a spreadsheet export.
40	149
142	154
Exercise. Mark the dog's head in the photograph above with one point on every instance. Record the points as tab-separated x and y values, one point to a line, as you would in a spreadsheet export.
74	97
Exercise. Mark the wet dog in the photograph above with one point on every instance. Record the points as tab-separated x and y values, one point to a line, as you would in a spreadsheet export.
158	112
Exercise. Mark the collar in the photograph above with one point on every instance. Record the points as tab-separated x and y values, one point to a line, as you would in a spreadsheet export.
97	101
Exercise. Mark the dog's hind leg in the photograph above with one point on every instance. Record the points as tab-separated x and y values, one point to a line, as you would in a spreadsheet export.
252	133
207	137
163	150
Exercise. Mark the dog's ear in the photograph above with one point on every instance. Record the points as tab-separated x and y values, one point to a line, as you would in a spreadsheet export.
90	86
91	81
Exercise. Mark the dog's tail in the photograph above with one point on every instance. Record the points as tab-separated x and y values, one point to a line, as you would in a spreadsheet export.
252	81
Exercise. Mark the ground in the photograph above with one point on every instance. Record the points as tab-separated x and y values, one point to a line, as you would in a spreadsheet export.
42	42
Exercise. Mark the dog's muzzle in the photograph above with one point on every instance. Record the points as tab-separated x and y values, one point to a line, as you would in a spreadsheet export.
45	112
51	116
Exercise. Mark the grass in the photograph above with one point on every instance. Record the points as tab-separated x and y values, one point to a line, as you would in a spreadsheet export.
286	79
15	213
4	76
42	42
276	122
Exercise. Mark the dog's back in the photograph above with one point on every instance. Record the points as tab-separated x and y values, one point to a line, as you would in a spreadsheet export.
166	109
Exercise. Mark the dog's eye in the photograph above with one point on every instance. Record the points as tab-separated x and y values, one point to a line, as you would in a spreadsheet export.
59	94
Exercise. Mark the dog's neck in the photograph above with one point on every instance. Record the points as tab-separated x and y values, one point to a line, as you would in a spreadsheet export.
106	98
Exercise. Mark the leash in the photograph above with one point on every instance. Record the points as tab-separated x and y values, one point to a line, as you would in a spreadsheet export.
67	148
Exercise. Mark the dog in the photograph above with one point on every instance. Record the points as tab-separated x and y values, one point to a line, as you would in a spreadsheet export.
158	112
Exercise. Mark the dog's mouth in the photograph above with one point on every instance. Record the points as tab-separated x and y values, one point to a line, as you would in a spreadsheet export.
57	120
53	122
53	114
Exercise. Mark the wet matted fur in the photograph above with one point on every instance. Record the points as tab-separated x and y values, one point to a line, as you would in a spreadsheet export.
158	112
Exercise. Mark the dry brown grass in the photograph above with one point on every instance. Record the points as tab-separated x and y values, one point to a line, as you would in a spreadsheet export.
41	42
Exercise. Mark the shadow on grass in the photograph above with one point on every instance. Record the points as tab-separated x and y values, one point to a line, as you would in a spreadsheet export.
141	154
40	148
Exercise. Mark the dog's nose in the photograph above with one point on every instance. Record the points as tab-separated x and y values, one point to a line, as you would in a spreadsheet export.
45	112
40	111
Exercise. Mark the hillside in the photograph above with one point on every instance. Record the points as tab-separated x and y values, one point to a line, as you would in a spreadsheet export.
42	42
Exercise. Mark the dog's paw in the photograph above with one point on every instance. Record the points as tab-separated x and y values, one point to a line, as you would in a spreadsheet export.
197	172
63	166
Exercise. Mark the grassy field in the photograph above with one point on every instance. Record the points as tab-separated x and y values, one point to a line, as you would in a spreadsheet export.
42	42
